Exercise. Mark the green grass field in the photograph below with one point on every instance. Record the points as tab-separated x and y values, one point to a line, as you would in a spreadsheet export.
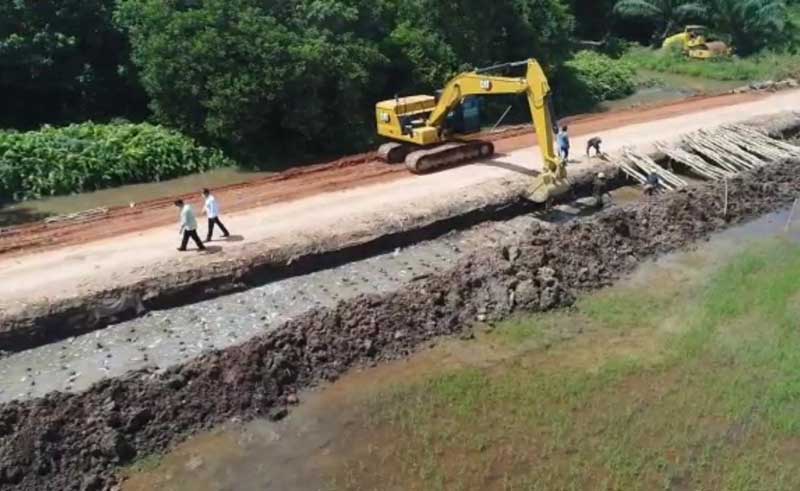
684	385
765	66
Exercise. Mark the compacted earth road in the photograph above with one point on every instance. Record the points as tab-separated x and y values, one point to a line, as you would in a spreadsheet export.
53	261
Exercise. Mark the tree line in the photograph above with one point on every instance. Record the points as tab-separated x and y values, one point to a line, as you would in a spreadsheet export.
272	77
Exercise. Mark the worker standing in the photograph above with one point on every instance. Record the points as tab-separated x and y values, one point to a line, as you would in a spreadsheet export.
211	209
188	226
599	189
563	143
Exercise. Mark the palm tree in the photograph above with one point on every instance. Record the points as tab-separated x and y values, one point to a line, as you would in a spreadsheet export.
750	24
667	14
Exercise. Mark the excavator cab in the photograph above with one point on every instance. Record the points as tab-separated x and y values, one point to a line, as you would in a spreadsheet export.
466	118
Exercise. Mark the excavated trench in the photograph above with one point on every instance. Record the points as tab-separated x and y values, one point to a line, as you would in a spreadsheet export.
44	324
76	441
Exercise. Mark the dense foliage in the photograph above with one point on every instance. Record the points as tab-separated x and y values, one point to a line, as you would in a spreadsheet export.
63	61
750	25
262	78
89	156
593	77
593	18
604	78
667	15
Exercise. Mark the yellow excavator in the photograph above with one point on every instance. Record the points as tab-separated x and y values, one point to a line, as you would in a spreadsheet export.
693	43
424	137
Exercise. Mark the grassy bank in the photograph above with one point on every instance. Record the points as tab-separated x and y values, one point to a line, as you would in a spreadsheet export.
766	66
686	384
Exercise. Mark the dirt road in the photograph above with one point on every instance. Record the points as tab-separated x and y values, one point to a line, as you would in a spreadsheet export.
346	173
129	244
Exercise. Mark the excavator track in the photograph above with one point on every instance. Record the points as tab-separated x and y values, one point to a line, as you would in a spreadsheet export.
454	153
394	153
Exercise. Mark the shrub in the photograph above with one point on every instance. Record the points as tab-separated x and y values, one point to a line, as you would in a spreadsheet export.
267	80
590	78
86	157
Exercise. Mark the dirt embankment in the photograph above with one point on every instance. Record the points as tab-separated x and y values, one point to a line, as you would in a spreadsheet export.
42	323
66	441
345	173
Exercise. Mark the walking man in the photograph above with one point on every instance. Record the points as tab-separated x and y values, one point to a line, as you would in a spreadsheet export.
212	212
188	226
595	143
563	143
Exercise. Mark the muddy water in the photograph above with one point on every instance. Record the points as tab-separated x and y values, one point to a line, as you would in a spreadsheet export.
123	195
326	430
300	452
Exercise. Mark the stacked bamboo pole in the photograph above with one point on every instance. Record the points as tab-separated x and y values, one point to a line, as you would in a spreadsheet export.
695	162
639	166
715	154
737	148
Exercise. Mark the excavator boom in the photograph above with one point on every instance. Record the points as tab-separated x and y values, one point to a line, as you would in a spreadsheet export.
416	125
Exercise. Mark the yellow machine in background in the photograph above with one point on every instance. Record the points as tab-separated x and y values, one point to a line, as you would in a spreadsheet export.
420	136
692	42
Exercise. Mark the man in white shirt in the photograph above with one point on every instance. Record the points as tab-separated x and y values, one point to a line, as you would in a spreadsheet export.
212	212
188	226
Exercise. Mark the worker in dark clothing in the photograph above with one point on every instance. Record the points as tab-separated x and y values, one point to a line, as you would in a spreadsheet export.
188	226
651	184
594	143
599	189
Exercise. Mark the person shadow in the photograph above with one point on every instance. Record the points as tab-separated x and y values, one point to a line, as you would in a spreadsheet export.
230	238
212	249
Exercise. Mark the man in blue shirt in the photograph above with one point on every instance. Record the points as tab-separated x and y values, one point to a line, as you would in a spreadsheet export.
563	143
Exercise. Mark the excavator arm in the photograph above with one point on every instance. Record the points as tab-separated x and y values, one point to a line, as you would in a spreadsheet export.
536	89
429	131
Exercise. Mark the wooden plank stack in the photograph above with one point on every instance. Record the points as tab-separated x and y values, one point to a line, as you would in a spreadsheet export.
715	155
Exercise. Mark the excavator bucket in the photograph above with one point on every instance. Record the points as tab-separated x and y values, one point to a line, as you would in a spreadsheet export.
545	188
551	184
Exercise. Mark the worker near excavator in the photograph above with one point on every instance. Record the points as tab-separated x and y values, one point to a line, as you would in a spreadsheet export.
562	139
599	189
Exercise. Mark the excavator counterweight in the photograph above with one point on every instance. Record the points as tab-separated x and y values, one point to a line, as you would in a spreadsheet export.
420	137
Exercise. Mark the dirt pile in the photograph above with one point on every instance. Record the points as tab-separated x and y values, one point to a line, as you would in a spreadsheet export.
76	441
